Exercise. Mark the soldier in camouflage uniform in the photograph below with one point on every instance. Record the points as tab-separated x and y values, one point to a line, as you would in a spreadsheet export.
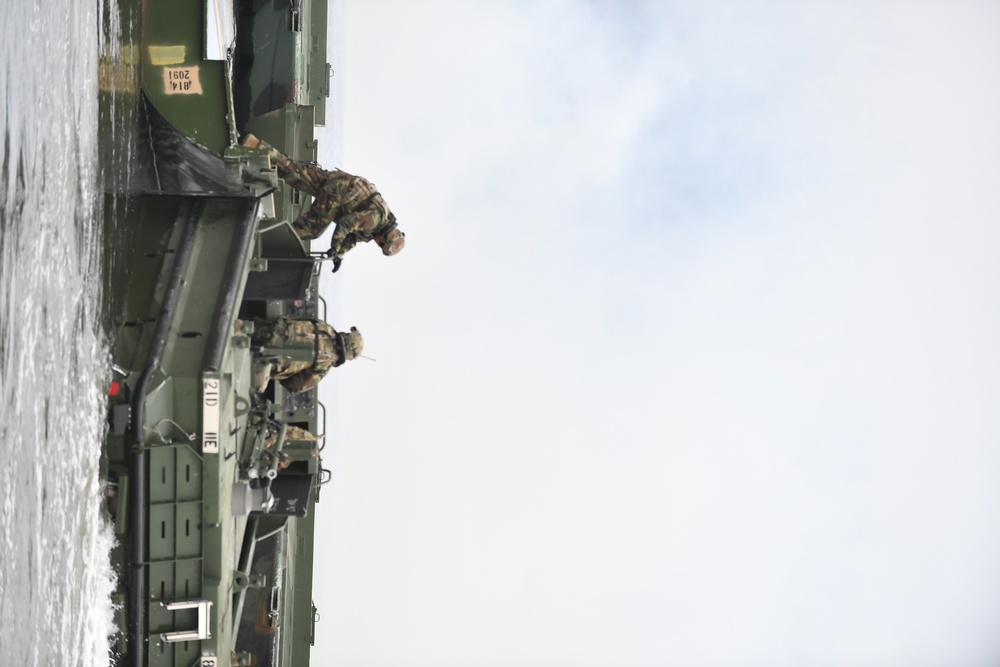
329	349
293	434
351	202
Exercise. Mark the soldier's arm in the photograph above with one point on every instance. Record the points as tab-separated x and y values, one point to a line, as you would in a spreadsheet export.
345	236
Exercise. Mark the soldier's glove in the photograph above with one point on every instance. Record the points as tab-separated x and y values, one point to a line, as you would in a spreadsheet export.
336	263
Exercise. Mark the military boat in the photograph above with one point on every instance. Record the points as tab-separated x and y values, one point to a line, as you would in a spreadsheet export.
213	479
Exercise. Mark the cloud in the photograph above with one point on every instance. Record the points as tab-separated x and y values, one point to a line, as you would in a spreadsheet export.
690	358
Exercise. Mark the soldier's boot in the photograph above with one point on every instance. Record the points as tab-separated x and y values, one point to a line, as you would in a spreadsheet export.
252	141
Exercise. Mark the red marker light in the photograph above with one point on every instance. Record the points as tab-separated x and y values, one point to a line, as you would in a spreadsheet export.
113	391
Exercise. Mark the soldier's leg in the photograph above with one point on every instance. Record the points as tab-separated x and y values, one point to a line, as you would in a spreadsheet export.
312	223
269	333
262	330
307	177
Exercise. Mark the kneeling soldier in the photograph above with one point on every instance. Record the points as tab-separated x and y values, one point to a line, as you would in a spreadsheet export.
315	346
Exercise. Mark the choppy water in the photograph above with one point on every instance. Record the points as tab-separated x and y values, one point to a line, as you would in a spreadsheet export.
55	578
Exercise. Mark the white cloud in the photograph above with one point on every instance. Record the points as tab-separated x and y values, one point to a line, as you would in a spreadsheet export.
689	358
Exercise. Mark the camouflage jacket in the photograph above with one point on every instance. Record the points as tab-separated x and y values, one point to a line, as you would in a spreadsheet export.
350	201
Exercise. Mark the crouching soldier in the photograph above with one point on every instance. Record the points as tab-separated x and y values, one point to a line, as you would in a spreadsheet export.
351	202
302	351
293	436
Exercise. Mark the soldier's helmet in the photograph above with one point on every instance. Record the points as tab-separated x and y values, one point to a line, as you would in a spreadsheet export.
393	242
354	344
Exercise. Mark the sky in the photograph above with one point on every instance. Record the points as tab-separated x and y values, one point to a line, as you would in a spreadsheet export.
691	356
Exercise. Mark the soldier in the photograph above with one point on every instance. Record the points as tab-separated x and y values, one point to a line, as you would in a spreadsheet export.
328	348
351	202
293	434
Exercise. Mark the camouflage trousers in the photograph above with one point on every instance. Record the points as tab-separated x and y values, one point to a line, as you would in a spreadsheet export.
293	436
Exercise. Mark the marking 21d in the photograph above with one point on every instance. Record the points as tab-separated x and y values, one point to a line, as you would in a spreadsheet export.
211	398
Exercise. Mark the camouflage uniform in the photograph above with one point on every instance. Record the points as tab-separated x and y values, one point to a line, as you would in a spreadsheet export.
293	434
330	349
350	201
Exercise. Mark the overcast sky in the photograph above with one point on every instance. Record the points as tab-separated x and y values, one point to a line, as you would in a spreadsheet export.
693	355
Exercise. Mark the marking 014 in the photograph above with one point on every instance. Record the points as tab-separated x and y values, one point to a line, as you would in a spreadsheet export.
181	81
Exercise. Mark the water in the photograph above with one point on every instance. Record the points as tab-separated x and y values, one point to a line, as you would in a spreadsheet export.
55	577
